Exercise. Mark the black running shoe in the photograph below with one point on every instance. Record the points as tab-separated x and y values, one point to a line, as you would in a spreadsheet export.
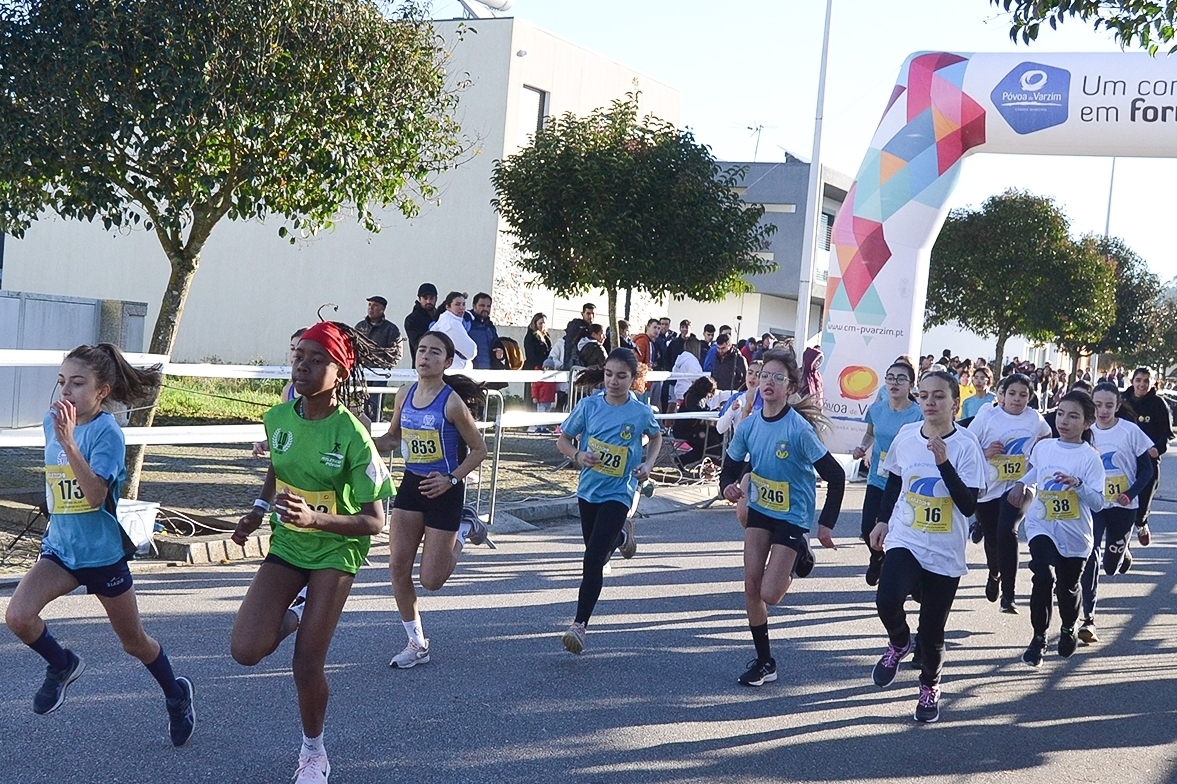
1034	651
976	532
1009	607
927	709
875	568
1126	564
478	530
1067	643
182	714
759	672
888	663
52	692
805	561
992	588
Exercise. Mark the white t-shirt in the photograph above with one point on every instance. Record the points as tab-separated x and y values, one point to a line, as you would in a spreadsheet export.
1018	434
1062	513
925	521
1118	448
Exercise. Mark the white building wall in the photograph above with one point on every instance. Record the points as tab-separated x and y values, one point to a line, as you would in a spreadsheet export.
253	289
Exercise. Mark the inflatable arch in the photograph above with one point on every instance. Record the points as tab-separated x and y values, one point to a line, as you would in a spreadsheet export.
946	106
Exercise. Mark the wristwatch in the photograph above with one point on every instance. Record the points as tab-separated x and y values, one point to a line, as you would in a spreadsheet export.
453	480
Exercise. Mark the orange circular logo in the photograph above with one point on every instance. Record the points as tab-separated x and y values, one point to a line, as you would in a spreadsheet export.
858	382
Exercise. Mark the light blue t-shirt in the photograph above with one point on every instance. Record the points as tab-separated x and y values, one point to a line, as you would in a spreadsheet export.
886	426
783	484
614	433
81	536
970	407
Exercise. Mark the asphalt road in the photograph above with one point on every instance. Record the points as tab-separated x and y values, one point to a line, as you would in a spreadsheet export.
654	697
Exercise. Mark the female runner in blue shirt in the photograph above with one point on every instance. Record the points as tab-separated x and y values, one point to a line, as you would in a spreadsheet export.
431	422
609	427
85	458
781	448
883	420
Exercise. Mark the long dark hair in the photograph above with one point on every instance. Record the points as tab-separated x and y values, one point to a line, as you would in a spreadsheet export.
1084	401
472	393
808	406
352	388
700	389
128	384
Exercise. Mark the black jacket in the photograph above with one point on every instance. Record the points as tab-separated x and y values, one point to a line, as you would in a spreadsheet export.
535	350
730	372
1152	416
576	329
417	324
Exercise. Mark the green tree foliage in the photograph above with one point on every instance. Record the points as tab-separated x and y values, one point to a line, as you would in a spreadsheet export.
610	202
1137	324
1148	24
174	115
1081	330
1162	352
1011	268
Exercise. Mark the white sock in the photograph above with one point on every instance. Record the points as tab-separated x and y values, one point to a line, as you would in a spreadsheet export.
313	745
415	632
463	532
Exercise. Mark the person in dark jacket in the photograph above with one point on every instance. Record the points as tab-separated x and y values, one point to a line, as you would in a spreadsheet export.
536	343
424	313
575	332
482	330
592	347
1152	416
384	334
729	369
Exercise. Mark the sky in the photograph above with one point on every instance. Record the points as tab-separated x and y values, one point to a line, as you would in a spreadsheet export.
743	64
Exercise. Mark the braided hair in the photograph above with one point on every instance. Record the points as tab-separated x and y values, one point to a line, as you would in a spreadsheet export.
352	389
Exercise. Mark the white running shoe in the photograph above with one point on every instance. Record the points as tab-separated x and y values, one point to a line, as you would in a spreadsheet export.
299	604
312	769
411	656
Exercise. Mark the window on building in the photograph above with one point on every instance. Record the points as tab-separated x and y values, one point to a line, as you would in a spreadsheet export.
826	230
533	110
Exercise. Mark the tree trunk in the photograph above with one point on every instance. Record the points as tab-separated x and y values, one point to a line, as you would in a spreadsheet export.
162	339
1000	361
611	292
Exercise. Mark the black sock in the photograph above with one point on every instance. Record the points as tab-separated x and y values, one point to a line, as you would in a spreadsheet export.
50	650
760	640
161	670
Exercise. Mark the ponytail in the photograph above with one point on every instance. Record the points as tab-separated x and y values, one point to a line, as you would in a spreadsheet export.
128	384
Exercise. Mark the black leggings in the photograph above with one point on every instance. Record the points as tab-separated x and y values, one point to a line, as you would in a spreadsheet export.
1047	564
600	524
999	520
902	575
1146	494
1113	525
870	510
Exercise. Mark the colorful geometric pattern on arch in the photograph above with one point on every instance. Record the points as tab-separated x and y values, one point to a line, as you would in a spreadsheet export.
323	456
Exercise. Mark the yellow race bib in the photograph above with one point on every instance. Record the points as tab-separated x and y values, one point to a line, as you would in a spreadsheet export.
1116	484
613	458
1010	468
421	446
62	487
770	494
1060	504
930	514
320	500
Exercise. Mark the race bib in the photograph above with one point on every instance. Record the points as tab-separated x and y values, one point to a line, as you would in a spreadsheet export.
1010	468
879	468
63	491
770	494
1060	504
1116	484
420	446
613	458
320	500
930	514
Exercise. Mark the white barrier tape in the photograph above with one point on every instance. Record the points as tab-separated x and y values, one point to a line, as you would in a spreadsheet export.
21	357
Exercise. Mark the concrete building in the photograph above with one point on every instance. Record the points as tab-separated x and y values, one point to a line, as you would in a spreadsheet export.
253	288
781	189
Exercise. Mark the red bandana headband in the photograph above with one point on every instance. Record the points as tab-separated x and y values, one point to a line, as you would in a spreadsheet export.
334	342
